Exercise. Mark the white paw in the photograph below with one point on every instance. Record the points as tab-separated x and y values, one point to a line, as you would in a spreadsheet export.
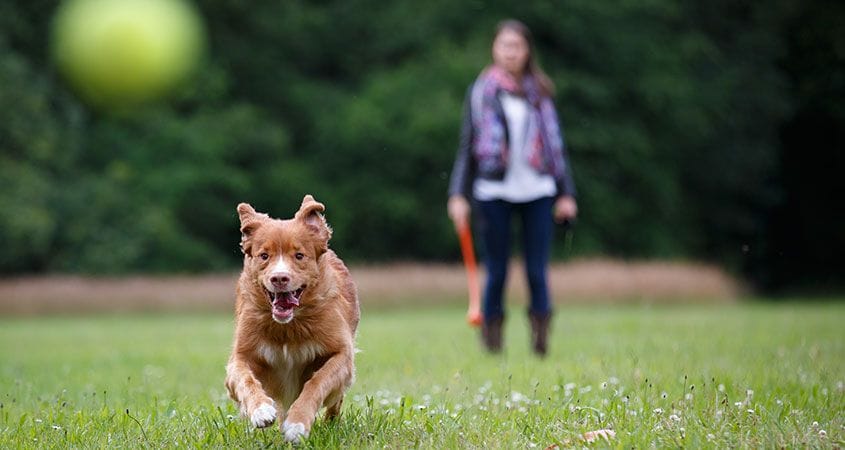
263	416
294	432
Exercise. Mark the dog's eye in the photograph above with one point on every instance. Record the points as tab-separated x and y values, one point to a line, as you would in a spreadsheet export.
299	255
265	256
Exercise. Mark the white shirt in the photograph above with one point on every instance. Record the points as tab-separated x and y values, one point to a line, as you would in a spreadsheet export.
522	183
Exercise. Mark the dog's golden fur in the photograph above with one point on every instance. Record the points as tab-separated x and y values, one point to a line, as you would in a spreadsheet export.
297	313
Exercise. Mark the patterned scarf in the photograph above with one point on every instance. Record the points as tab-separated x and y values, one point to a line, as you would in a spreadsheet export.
545	152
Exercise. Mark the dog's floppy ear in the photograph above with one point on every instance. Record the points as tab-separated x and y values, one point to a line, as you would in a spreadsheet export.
310	213
250	221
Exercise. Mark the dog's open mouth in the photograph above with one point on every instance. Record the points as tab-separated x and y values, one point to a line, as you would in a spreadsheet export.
283	303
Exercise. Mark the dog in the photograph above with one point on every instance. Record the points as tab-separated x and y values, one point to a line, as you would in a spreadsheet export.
296	315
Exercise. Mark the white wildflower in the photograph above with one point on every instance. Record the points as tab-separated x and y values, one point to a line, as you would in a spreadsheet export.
658	411
485	387
674	418
518	397
822	434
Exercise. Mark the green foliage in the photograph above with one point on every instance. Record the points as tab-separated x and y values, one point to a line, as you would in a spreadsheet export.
695	376
38	147
671	113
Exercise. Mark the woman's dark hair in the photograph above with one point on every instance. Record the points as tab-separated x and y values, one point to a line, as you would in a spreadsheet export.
547	87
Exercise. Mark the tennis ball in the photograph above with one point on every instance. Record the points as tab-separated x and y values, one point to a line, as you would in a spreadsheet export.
121	53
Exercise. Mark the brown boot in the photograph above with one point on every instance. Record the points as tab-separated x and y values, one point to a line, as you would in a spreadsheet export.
491	334
540	332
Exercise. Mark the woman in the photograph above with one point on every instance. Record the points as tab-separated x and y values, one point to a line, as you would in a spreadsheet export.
511	161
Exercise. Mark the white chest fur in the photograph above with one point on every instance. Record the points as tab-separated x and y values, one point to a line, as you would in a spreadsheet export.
285	355
288	363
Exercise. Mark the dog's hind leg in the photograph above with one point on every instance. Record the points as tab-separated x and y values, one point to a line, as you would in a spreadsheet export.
333	404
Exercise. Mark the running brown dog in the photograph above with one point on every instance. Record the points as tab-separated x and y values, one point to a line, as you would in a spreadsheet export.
297	314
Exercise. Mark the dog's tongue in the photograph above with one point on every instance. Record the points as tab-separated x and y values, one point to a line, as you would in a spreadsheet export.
285	300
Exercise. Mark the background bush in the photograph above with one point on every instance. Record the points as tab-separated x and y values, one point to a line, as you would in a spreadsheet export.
706	130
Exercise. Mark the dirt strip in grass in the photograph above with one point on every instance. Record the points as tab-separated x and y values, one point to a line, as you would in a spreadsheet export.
581	281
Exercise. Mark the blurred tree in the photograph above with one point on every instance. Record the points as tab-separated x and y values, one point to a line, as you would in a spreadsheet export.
807	235
39	149
673	112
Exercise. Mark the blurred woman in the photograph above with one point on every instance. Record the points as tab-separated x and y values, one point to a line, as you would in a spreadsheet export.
511	161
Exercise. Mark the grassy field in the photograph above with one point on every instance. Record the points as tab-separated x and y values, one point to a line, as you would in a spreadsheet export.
746	375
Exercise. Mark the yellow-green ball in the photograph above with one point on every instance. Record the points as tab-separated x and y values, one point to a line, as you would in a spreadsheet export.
121	53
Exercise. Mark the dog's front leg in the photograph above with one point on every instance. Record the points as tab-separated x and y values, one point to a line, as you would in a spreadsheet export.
331	379
245	389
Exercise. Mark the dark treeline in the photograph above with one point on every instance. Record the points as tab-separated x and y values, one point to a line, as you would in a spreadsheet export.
698	130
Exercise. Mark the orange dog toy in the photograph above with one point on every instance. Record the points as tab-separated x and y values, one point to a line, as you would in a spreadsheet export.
474	310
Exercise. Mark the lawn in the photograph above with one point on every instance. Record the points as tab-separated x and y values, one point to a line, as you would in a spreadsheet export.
746	375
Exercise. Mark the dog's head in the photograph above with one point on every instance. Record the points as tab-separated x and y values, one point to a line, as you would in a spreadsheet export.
282	256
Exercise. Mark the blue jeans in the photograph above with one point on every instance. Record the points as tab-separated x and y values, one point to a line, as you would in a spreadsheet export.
495	229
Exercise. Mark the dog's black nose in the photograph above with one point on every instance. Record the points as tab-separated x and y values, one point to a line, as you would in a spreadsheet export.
280	279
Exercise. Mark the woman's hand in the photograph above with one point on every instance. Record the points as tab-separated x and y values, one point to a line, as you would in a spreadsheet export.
458	209
565	209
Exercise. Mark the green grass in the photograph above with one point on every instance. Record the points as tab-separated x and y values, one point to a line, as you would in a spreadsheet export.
752	375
